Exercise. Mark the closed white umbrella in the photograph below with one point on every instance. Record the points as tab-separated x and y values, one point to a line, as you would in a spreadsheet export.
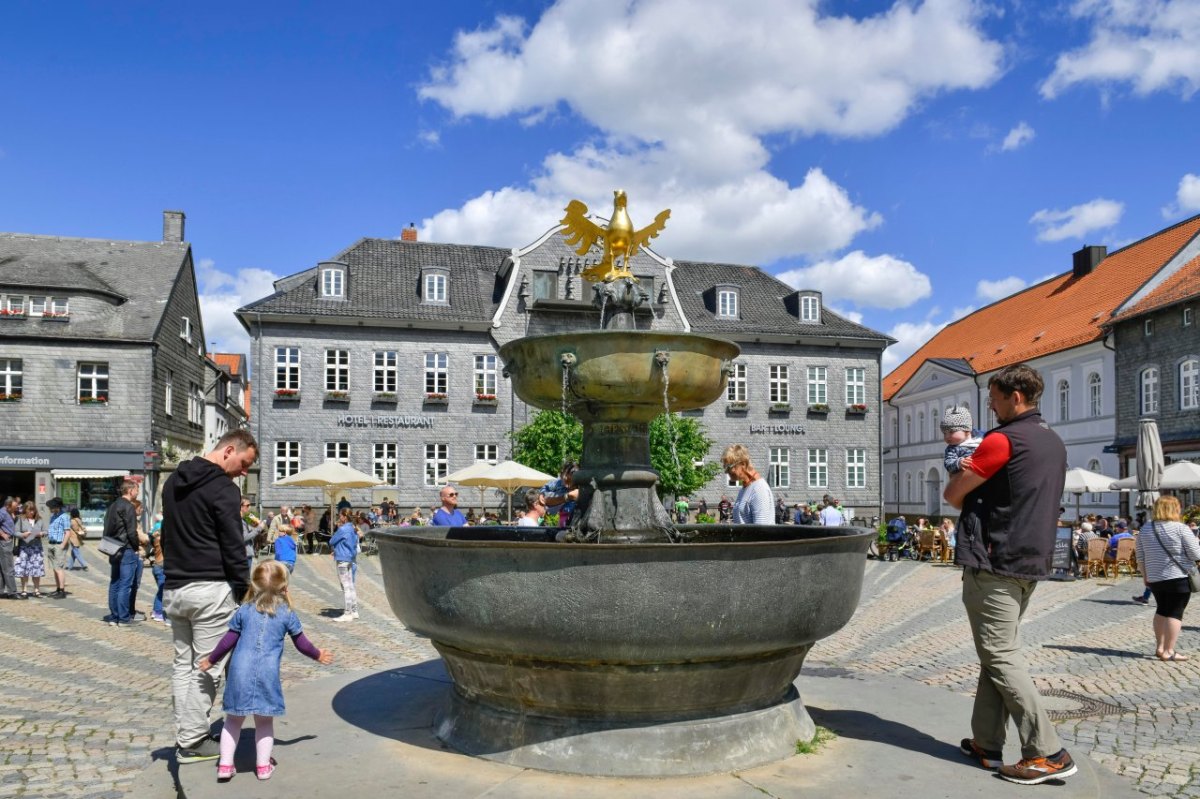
508	476
1149	462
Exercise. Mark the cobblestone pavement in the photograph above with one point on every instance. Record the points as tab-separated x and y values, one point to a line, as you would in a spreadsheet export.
88	706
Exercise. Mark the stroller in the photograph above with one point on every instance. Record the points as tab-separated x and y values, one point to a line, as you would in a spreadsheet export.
900	541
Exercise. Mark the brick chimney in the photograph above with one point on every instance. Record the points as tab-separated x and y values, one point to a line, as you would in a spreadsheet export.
409	233
1087	259
173	225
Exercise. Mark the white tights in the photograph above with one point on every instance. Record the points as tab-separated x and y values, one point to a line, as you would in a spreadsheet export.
264	738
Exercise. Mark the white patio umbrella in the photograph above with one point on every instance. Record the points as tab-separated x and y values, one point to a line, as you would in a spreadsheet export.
474	470
331	476
508	476
1181	476
1081	481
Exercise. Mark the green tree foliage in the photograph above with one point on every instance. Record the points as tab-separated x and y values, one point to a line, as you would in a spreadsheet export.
550	437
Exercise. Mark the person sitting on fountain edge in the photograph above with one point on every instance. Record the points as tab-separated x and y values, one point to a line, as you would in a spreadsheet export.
755	503
559	493
448	515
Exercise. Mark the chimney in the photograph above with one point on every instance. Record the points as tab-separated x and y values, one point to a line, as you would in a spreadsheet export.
409	233
173	225
1087	259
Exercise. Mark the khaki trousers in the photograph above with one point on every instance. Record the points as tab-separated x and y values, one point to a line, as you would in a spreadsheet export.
995	606
199	615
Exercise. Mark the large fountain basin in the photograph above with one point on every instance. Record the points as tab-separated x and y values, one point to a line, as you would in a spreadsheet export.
562	654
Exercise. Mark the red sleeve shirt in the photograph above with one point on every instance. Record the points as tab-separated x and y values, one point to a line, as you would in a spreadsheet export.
993	452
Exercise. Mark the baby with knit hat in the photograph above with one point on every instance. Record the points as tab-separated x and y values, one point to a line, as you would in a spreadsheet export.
960	436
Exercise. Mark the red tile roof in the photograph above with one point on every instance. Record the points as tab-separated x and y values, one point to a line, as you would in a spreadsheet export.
230	361
1052	316
1183	285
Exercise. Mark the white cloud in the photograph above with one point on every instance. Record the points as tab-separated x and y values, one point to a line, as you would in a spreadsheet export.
1152	45
1018	137
1187	197
911	336
1077	221
222	293
682	95
992	290
430	138
881	281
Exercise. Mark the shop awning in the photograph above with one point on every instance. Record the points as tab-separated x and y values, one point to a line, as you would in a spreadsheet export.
87	474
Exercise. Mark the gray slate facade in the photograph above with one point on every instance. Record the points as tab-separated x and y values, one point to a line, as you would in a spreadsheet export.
493	296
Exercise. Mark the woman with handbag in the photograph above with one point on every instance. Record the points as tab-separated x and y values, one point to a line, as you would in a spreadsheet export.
75	537
1167	552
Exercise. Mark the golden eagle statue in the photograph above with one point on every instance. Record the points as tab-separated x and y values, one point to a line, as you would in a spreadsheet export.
619	239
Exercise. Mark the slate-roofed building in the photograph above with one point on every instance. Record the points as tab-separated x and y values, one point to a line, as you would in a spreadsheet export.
385	357
101	361
1060	327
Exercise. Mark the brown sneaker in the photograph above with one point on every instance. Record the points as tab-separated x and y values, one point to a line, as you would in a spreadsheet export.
986	758
1034	770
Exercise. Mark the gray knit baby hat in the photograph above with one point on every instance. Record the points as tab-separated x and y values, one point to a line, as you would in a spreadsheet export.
956	417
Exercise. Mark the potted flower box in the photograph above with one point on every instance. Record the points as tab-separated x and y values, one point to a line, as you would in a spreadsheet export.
485	399
856	408
90	400
818	407
13	397
14	313
780	407
737	406
337	396
384	396
287	394
436	398
52	316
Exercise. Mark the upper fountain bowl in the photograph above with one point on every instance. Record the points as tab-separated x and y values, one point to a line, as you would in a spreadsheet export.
628	369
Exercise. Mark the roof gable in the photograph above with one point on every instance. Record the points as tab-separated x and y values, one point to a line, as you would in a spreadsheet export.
1183	285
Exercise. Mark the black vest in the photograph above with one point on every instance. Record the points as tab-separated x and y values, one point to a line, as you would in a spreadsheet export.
1008	524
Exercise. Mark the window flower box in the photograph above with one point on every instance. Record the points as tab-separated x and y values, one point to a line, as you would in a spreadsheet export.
287	394
13	313
337	396
384	396
856	409
485	399
818	407
14	397
434	398
737	406
51	316
780	407
89	400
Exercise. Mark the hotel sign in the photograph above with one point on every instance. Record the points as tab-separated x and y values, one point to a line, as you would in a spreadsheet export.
356	420
795	429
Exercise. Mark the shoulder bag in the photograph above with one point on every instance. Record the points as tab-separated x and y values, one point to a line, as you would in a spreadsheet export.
111	546
1192	574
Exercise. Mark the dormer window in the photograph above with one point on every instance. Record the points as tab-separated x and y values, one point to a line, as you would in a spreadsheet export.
727	302
333	283
435	286
810	308
185	329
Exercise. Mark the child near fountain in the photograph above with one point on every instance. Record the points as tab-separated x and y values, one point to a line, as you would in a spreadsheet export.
253	685
960	437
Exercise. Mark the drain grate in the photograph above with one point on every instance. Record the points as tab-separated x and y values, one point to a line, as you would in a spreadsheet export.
1061	705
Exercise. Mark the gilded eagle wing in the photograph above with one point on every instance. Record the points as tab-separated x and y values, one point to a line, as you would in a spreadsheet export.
579	229
643	236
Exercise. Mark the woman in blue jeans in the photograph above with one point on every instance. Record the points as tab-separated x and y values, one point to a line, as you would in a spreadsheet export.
160	576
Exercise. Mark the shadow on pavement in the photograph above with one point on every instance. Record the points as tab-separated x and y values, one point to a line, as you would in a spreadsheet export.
1097	650
870	727
398	703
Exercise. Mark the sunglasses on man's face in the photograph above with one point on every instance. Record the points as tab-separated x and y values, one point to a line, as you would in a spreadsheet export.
452	494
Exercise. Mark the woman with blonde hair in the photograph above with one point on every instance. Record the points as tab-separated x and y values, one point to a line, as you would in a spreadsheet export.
754	503
1167	551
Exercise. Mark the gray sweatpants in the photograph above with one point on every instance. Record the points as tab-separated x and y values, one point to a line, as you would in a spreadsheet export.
8	580
199	615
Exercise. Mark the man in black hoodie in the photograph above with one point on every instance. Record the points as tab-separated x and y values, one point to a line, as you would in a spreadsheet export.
204	562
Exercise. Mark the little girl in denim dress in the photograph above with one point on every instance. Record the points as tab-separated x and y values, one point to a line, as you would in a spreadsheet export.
252	687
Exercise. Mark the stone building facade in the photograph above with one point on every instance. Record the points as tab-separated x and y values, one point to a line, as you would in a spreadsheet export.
101	362
385	357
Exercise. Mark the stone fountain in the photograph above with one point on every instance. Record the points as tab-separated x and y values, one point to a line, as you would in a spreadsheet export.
636	648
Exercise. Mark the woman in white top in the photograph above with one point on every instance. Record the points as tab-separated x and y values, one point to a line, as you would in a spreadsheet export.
754	503
1166	551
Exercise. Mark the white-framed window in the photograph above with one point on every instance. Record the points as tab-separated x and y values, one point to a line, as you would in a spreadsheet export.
287	368
810	309
487	453
1064	400
818	393
486	375
779	472
856	468
1149	385
195	404
727	303
385	371
1187	317
169	392
818	468
333	283
337	370
735	391
1148	327
60	306
338	451
37	306
1094	466
435	287
1189	385
856	385
93	382
778	382
287	458
383	463
437	464
11	377
1095	395
437	380
13	304
185	329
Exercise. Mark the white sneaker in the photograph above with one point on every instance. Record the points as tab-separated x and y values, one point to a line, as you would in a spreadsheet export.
343	617
354	615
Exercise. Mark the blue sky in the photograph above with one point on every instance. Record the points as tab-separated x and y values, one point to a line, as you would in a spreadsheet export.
912	160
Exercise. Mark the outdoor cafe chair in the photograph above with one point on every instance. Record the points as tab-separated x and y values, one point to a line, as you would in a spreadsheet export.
1126	548
1095	557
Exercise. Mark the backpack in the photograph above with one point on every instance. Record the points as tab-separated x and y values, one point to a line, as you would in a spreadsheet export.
896	529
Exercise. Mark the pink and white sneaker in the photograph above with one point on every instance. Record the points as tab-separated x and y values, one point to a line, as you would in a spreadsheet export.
225	773
265	772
